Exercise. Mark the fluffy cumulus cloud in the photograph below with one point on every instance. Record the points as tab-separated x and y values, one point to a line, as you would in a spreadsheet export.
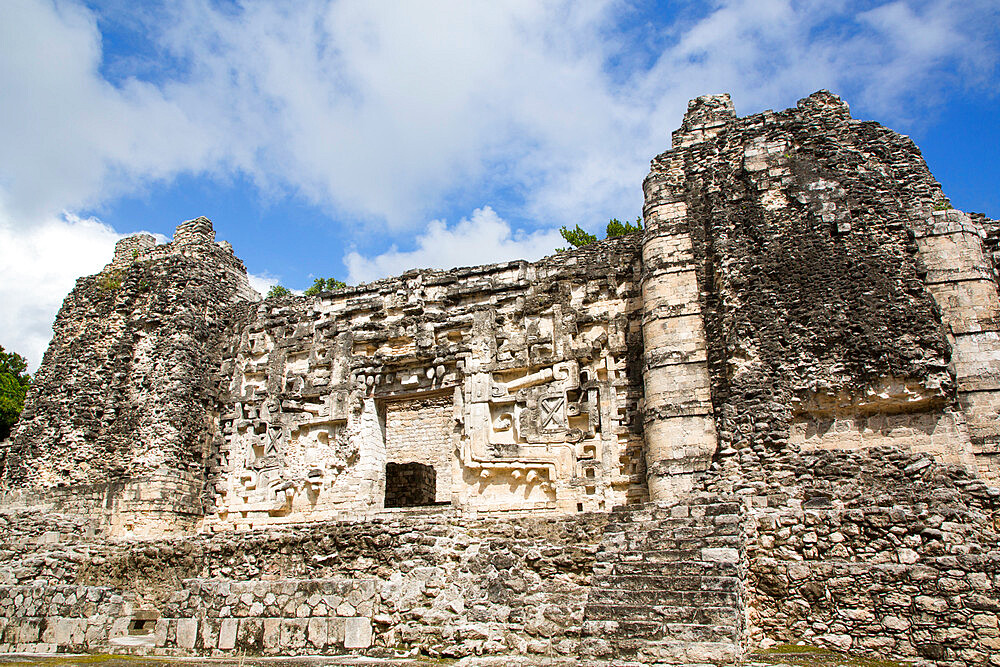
482	238
384	111
39	266
68	137
386	114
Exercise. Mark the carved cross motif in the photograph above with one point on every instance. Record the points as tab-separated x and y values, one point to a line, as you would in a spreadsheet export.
271	448
550	411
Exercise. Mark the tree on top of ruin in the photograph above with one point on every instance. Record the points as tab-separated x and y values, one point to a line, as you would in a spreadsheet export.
324	285
579	237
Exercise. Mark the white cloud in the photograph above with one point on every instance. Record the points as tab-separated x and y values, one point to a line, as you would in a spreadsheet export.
262	282
68	138
481	239
39	267
390	112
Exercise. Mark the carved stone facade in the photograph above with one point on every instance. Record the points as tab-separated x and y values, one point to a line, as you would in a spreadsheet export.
792	371
510	381
771	266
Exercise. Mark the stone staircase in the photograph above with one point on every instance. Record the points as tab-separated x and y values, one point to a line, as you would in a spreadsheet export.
668	585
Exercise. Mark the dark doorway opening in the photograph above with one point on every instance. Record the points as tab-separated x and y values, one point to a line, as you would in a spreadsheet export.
409	485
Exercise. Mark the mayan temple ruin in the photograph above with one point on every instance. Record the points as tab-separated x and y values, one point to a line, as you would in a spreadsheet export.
772	416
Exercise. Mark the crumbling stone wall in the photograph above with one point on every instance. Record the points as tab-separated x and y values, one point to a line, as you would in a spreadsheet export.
822	326
54	618
124	395
804	338
443	584
849	320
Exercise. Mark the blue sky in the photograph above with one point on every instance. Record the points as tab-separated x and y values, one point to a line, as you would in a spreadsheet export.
359	139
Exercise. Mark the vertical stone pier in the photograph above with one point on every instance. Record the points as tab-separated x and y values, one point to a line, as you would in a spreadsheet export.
679	426
961	279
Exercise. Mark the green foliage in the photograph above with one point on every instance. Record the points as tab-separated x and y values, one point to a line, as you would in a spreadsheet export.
618	228
942	205
578	237
14	383
111	280
277	291
324	285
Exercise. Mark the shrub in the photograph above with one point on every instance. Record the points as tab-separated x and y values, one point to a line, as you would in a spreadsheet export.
14	383
277	291
578	237
324	285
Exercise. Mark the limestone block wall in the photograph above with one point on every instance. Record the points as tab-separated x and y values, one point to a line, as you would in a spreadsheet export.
262	617
60	618
962	279
444	584
878	551
152	504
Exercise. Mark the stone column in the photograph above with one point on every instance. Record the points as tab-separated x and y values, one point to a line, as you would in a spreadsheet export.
678	420
961	280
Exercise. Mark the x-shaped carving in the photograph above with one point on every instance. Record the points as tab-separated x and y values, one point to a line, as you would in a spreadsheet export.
551	409
271	448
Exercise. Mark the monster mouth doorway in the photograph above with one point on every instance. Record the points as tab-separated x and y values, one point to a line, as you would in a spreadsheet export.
409	485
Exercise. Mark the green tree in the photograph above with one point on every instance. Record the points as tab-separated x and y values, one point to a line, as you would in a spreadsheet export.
618	228
14	383
578	237
277	291
324	285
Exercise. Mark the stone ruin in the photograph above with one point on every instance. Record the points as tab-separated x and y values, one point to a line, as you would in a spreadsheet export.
771	416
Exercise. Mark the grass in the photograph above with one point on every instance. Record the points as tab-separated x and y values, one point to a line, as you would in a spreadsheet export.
807	655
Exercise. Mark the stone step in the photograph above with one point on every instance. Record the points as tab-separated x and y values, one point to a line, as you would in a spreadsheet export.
708	508
686	653
666	582
609	629
654	630
647	555
675	568
663	652
659	536
686	519
668	555
701	615
677	598
658	540
685	530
